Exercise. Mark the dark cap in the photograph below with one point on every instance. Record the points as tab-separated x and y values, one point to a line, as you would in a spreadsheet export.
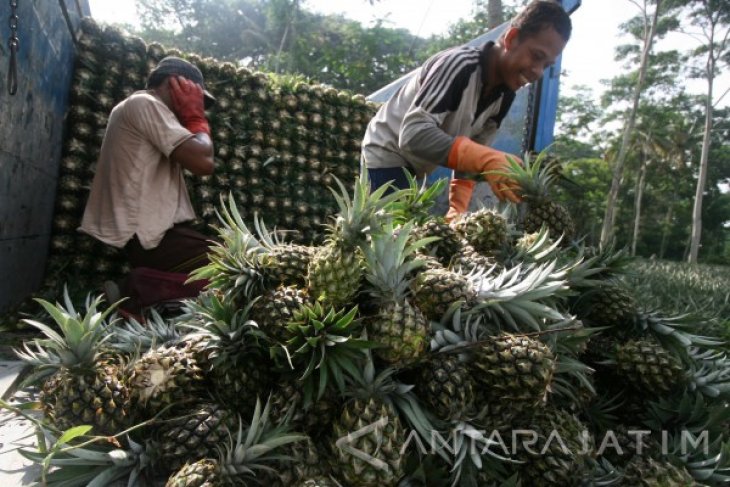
175	66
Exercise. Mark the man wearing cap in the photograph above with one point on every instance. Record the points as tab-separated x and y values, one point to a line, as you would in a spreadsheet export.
138	200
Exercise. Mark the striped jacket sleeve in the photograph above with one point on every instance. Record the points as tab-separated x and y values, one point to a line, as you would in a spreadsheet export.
439	91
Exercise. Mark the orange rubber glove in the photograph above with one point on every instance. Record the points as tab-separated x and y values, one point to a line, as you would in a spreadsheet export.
188	104
460	191
468	156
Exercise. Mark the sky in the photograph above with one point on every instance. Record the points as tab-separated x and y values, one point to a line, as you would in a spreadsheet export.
587	59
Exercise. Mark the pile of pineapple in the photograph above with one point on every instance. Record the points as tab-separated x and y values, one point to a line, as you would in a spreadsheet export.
387	348
400	351
279	142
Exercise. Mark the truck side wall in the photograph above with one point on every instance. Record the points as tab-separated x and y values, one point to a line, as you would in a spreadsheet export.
31	124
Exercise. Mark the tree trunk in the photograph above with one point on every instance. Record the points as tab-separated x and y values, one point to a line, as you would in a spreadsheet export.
665	232
610	216
495	14
694	248
637	205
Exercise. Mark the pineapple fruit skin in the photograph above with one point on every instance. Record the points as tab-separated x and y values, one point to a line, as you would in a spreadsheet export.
447	386
437	289
516	369
276	308
192	435
403	331
334	276
549	463
383	444
100	398
202	473
486	230
649	367
647	472
552	215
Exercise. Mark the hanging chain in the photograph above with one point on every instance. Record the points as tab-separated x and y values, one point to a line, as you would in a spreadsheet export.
13	44
529	128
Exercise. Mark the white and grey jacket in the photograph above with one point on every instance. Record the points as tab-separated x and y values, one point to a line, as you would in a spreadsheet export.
445	98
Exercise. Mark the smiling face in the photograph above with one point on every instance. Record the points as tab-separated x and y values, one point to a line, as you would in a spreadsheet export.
523	60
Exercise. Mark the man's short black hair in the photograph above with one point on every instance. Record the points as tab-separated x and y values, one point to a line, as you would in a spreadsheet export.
542	14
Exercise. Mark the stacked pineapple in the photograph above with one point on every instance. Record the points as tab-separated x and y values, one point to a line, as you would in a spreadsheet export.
279	142
349	337
400	350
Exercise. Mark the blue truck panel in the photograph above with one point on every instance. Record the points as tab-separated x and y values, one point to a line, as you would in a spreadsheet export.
30	147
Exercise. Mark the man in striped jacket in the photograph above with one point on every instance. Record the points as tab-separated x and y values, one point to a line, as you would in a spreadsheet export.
449	111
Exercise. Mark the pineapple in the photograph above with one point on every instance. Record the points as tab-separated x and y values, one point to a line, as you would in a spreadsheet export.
437	290
647	472
516	369
194	434
234	268
133	336
165	376
448	243
369	425
398	326
336	269
467	259
535	180
225	344
252	455
243	265
275	309
486	230
317	482
446	385
649	367
305	462
608	305
314	418
83	385
560	457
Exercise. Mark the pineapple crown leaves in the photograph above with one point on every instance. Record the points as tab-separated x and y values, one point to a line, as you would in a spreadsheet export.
135	337
388	263
534	177
233	266
594	266
95	465
224	328
689	411
77	345
457	331
322	343
673	331
357	215
537	247
414	203
710	372
473	451
568	368
366	384
257	451
691	420
602	412
522	295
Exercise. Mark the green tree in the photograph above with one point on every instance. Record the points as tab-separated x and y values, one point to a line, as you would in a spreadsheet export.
283	37
644	28
710	21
